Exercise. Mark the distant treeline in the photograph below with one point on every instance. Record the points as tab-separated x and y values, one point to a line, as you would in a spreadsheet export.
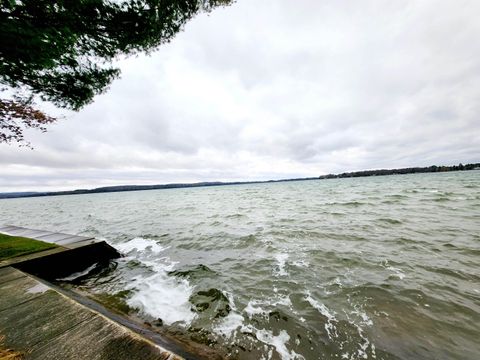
412	170
381	172
119	188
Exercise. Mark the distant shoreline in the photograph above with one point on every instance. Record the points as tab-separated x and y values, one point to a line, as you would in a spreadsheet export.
364	173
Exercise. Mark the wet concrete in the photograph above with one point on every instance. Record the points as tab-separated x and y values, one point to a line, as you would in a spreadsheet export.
42	323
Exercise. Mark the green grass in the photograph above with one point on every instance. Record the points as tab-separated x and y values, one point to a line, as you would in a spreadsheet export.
12	246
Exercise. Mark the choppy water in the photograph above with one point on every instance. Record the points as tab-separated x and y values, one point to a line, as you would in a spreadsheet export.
378	267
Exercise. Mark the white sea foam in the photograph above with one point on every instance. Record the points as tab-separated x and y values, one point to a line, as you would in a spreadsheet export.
253	308
140	244
396	272
279	342
282	300
234	322
330	315
362	320
301	263
157	295
281	262
162	297
230	324
363	315
363	346
161	264
261	307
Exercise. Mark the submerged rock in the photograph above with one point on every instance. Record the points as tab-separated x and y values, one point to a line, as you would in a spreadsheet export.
213	300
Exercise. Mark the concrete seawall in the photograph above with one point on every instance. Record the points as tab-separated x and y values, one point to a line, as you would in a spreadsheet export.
74	253
39	320
42	323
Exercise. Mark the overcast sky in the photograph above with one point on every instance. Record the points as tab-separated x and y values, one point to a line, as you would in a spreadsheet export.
275	89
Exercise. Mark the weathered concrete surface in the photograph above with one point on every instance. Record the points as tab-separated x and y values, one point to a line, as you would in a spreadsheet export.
44	321
32	256
44	324
66	240
10	274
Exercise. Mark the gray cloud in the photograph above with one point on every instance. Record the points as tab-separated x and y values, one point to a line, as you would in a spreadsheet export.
275	89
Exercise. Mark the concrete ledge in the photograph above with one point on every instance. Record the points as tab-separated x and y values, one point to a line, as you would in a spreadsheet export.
32	256
74	253
64	263
45	321
42	323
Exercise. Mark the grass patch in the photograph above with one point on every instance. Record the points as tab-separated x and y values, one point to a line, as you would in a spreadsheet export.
13	246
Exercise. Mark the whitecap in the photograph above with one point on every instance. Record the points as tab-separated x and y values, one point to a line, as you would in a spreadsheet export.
396	272
139	244
281	262
162	264
157	295
363	315
279	342
282	300
253	308
301	263
229	325
163	297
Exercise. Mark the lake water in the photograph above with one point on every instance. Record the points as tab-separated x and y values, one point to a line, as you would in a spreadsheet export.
366	268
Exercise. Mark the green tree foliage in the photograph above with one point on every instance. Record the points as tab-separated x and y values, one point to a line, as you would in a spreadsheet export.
62	50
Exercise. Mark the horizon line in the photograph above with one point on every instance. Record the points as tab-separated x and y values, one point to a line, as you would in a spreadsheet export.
124	188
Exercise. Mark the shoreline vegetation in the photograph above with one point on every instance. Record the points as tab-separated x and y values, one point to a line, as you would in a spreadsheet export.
363	173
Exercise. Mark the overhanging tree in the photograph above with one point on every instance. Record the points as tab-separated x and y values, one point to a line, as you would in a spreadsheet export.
61	51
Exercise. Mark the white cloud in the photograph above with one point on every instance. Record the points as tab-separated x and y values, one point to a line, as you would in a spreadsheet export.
275	89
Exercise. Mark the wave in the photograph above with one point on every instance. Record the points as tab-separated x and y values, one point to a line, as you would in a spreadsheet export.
281	262
197	271
139	244
163	298
154	293
391	221
330	325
